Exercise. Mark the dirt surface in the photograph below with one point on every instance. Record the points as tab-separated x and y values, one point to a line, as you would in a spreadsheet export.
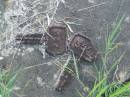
92	18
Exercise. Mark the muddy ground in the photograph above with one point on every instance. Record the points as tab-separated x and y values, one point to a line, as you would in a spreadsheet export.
92	18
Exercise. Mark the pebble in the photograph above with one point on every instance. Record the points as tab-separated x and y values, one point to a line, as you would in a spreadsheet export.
127	19
1	58
91	1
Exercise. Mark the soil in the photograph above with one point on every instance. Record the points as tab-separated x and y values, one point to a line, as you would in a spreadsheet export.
93	18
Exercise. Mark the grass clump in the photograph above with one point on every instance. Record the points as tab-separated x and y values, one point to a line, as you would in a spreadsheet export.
7	83
103	87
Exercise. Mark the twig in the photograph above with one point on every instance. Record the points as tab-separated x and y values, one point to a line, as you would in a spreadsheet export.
92	6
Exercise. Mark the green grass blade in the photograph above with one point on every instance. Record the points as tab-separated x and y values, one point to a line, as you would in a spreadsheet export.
67	62
102	91
113	35
121	90
96	86
116	63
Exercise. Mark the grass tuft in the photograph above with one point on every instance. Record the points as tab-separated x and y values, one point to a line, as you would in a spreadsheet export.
102	87
7	83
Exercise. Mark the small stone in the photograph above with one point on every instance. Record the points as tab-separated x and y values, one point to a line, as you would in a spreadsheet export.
122	76
1	58
16	88
91	1
127	19
40	81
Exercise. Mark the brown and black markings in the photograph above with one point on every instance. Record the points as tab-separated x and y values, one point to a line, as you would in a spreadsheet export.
83	47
